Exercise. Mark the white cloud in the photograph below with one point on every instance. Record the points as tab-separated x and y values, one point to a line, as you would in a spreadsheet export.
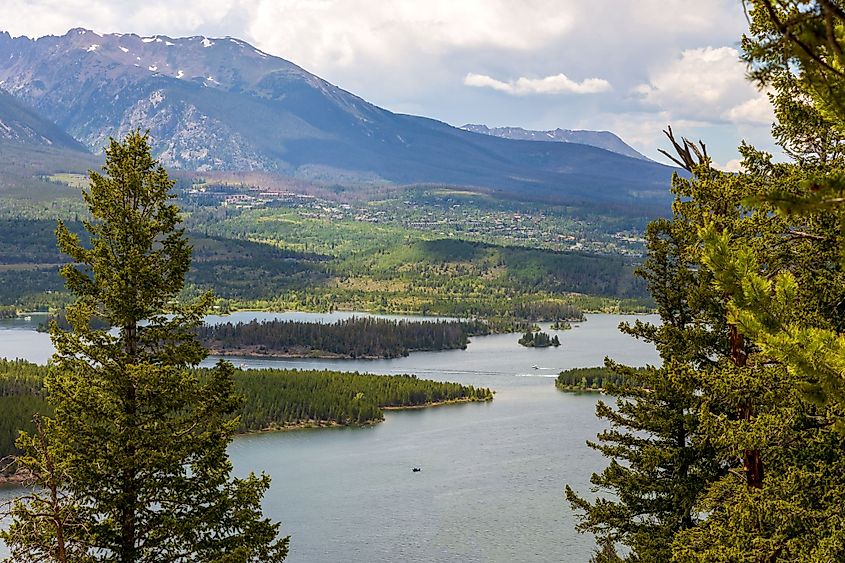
733	165
556	84
41	17
757	110
709	84
341	33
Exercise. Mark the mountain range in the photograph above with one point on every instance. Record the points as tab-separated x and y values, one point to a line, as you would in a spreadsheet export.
601	139
221	104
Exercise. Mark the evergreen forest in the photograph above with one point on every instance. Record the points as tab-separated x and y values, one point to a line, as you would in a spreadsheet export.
248	268
357	337
595	379
273	398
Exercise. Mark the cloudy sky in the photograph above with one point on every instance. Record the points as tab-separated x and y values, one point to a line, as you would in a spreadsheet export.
630	67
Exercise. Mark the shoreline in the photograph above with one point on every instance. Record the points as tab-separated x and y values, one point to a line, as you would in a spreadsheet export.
304	425
15	480
315	355
18	480
570	389
246	307
438	404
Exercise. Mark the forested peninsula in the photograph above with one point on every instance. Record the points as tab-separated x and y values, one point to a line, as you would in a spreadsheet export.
274	399
597	379
354	338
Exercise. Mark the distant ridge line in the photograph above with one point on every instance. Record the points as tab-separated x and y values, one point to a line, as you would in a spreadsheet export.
602	139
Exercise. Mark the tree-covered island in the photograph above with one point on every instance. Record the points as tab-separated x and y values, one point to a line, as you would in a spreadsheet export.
353	338
538	340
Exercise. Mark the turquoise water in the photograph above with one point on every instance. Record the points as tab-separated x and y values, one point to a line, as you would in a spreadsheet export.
492	478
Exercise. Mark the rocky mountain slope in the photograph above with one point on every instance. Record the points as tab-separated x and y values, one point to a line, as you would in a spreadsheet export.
601	139
221	104
22	126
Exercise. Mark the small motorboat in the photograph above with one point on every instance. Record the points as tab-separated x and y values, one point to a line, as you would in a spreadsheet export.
416	469
535	367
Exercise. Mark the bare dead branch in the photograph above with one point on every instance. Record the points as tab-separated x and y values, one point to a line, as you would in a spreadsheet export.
804	235
689	155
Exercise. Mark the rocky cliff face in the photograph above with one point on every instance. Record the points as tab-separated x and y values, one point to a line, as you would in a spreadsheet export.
96	86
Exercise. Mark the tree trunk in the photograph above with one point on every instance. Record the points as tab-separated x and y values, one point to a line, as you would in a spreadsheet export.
752	461
55	502
128	476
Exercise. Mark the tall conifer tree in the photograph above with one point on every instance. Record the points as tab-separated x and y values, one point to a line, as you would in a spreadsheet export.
660	461
771	401
141	440
794	513
787	298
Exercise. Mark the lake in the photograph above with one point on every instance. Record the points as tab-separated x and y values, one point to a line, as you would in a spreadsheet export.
492	475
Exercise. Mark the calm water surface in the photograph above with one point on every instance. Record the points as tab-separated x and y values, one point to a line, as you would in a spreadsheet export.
492	479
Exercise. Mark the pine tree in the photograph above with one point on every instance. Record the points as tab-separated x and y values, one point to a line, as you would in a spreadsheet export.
142	439
793	513
801	43
803	38
664	434
752	304
47	523
606	553
659	465
797	48
787	300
